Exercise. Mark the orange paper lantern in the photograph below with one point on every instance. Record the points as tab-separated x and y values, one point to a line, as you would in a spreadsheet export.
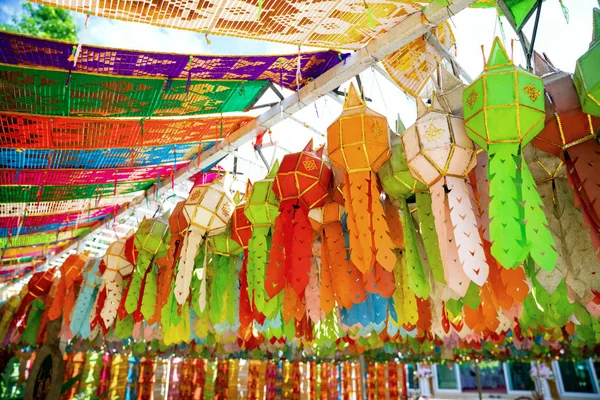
359	144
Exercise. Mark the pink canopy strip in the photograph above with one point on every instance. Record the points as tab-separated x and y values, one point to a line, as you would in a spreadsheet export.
83	176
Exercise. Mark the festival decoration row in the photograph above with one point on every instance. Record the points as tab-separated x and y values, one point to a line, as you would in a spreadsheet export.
314	258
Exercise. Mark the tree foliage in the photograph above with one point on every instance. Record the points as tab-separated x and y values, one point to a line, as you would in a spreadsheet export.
43	21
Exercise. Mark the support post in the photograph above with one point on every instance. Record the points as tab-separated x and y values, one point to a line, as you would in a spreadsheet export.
478	377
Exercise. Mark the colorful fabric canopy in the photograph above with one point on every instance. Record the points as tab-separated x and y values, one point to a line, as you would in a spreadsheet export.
344	24
47	92
279	69
20	131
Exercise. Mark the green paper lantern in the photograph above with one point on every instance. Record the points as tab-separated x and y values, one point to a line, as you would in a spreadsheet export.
262	208
504	109
587	73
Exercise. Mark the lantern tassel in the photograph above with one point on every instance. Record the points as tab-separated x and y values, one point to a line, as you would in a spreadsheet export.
327	294
312	297
301	251
582	201
565	10
509	246
382	242
357	206
202	296
466	232
275	272
539	239
149	295
183	280
414	265
133	294
454	274
346	278
114	294
429	235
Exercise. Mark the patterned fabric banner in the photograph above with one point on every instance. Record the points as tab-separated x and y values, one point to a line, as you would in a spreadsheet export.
101	159
47	92
60	207
31	194
32	240
27	131
73	177
279	69
343	24
412	66
33	251
49	227
10	222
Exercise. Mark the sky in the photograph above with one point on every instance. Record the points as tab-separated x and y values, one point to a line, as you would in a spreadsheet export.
562	42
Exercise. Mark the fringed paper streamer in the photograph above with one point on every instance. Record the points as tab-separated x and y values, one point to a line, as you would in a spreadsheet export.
271	382
257	266
186	382
480	181
80	322
211	376
73	367
313	381
146	378
105	373
90	375
222	381
48	300
174	378
314	304
161	378
39	285
118	377
133	373
232	379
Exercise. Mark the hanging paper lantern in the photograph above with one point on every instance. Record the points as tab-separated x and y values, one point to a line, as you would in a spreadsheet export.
118	266
262	210
359	144
400	185
570	134
65	296
207	210
80	319
587	74
504	110
301	183
151	240
440	155
340	280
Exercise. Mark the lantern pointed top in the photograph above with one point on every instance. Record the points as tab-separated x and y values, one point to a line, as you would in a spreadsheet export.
272	172
400	125
248	189
446	81
596	24
353	98
543	66
319	151
237	198
421	107
309	146
498	56
438	104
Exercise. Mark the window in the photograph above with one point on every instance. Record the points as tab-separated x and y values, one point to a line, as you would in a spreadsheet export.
446	377
411	379
491	374
576	377
518	376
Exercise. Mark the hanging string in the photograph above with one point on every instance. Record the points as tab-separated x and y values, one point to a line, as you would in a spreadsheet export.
299	69
260	7
174	166
372	21
281	73
565	10
189	77
501	27
75	56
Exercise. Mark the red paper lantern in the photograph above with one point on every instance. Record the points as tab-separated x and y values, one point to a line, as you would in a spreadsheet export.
301	184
